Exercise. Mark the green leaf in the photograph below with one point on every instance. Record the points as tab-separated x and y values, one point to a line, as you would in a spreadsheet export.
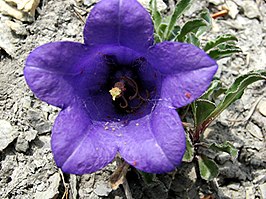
224	51
236	90
191	38
161	30
180	8
189	154
147	177
174	33
219	40
156	15
225	147
214	91
203	108
190	26
205	15
208	168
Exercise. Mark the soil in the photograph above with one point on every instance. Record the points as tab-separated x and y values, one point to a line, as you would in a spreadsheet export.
26	162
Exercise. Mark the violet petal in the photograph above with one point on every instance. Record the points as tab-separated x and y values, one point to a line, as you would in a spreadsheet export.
79	145
187	71
119	22
155	143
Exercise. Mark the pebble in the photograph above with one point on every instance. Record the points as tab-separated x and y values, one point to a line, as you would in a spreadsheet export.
263	190
251	9
255	131
7	134
43	128
52	191
233	9
102	189
216	2
262	107
223	157
22	145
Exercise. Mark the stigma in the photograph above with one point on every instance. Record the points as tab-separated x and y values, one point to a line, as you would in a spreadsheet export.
115	93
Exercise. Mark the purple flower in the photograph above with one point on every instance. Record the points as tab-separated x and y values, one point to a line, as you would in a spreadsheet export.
118	92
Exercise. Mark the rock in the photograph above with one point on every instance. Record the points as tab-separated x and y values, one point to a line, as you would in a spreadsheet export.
262	107
160	4
23	10
43	127
263	190
102	189
52	191
223	157
73	186
255	131
6	38
19	29
233	9
216	2
251	9
22	145
7	134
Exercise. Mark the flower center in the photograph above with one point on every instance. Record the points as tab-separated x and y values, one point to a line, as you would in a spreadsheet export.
126	94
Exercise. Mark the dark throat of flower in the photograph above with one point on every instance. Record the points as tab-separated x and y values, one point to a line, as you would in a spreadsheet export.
126	94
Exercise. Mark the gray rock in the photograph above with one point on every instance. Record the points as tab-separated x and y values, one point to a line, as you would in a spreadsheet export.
233	8
251	9
263	190
7	134
216	2
22	145
255	131
223	157
52	191
262	107
102	189
44	127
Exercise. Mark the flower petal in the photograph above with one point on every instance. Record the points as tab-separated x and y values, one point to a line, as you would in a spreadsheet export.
187	71
80	146
155	143
56	71
119	22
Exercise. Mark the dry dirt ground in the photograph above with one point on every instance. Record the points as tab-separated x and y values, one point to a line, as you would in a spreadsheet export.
26	162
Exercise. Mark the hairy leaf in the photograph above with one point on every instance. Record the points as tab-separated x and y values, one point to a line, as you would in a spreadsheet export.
190	26
189	154
180	8
191	38
224	51
156	15
208	168
225	147
236	90
219	40
203	108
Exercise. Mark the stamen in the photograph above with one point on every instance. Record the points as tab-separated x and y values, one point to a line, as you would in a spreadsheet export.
134	85
115	92
125	101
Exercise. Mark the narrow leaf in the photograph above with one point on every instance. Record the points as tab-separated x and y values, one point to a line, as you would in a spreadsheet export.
222	53
219	40
180	8
215	89
156	15
203	108
190	26
225	147
192	39
237	89
205	15
189	154
208	168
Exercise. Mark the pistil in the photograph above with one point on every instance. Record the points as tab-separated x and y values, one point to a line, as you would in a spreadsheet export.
123	90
